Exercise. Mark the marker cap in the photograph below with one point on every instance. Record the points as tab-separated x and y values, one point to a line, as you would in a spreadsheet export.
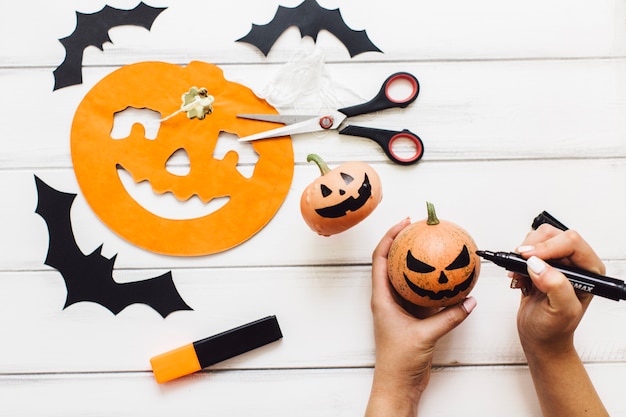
174	364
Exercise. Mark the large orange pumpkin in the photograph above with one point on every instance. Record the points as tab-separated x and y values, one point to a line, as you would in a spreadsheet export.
158	86
433	263
340	198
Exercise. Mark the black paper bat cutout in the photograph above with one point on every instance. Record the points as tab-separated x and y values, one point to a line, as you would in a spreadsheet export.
90	277
92	29
310	18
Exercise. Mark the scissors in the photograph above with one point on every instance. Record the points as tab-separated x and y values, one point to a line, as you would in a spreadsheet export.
295	124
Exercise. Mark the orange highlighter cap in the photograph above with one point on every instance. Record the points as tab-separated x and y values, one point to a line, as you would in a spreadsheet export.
176	363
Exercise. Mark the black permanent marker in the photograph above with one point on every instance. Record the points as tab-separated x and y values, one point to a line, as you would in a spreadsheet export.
582	280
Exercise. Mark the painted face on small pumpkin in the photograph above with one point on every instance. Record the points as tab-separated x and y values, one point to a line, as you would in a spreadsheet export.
433	263
351	203
443	283
340	198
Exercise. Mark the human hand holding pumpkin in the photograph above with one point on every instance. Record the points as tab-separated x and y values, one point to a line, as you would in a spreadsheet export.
405	338
549	313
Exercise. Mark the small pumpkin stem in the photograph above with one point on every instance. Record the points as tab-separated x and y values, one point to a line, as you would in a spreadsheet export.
320	163
432	216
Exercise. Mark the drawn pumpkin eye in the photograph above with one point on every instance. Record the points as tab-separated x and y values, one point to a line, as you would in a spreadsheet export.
325	191
461	261
416	265
347	178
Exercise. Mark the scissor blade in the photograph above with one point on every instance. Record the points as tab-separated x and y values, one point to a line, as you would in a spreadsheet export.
287	119
306	126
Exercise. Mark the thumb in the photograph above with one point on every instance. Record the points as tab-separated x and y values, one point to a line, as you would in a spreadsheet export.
447	319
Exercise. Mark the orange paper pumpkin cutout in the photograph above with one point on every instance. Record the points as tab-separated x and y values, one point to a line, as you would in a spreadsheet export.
158	86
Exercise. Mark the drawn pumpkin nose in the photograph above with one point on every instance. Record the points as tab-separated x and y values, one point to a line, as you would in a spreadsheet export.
443	279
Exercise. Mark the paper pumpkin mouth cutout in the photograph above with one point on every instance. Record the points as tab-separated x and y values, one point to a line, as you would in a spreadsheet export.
157	86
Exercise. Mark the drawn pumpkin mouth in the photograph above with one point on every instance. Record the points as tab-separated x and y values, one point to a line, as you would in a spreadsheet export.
349	204
438	295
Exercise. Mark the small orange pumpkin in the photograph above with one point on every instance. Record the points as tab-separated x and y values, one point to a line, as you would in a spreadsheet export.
340	198
433	263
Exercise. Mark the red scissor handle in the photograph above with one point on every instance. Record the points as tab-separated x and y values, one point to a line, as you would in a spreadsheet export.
384	100
386	138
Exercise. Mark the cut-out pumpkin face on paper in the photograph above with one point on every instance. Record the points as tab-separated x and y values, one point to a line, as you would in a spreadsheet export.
433	263
340	198
99	159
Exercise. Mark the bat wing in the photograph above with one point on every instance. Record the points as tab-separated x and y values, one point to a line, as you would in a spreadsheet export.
93	30
310	18
356	41
90	277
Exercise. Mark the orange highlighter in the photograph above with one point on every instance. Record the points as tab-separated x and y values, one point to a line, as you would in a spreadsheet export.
198	355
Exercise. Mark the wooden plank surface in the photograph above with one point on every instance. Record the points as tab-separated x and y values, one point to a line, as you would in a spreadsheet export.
558	109
477	204
521	109
309	392
323	312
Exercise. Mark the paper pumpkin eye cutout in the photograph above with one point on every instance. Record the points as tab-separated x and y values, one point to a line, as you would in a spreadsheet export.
251	200
433	263
340	198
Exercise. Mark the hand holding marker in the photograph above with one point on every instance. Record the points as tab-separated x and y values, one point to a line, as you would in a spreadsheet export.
603	286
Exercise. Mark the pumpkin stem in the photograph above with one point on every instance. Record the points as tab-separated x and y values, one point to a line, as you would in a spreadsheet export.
319	161
432	216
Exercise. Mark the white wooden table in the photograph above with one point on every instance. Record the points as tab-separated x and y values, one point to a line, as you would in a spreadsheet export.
522	109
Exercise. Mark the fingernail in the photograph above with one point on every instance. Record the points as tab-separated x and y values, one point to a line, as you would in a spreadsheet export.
536	265
525	248
469	304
